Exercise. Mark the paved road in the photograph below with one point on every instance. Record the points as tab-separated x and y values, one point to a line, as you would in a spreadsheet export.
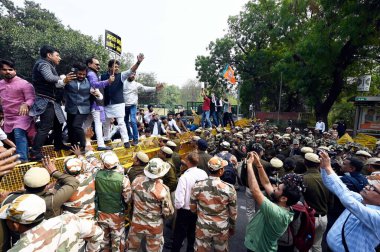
236	243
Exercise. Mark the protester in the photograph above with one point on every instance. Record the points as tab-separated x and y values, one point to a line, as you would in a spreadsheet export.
48	86
131	88
114	98
206	110
77	105
97	101
17	96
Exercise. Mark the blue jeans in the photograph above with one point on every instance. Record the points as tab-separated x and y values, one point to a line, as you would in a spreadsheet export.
206	117
21	142
130	112
215	118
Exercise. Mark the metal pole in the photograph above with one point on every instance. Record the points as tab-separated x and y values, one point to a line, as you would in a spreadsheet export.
279	100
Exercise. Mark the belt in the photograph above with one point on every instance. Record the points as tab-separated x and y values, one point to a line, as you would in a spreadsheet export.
319	215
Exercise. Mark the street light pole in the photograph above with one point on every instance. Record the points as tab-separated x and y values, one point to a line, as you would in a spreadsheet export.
279	100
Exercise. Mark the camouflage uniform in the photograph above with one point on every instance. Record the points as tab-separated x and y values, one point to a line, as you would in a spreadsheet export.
113	224
214	201
62	233
149	198
82	201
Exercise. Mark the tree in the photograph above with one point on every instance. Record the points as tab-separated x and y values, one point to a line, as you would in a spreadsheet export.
314	45
24	30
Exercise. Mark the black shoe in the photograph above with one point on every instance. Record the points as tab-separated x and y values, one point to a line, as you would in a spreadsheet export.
104	148
127	145
62	147
36	157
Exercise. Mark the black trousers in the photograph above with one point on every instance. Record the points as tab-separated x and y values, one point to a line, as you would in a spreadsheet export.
75	129
48	121
184	228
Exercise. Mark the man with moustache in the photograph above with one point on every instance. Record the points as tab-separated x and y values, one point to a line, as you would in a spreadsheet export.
17	96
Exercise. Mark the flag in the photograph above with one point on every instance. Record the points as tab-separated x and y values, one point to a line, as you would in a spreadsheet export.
228	74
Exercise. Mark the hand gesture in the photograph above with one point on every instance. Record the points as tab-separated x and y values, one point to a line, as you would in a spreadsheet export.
159	87
111	79
24	109
69	77
250	158
325	160
140	58
8	161
49	164
76	150
256	161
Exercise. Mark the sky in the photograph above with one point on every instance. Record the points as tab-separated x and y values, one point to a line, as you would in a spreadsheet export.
170	33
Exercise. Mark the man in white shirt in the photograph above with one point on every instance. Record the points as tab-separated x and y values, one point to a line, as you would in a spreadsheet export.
148	115
155	126
186	220
320	125
172	124
131	88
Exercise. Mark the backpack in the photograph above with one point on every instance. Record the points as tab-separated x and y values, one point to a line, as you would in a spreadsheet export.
304	238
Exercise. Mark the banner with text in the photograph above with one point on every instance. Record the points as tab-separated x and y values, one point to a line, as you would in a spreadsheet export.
113	42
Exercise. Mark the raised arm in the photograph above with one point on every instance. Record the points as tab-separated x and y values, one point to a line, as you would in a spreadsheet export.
252	181
262	175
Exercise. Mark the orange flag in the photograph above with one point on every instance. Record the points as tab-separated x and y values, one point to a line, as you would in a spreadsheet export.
229	74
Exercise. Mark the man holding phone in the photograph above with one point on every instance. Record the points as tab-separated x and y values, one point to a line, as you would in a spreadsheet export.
48	86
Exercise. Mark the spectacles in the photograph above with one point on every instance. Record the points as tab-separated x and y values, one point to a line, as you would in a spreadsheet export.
371	188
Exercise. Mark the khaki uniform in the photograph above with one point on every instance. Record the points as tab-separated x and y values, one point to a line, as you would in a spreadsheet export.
214	201
135	171
170	178
151	199
62	233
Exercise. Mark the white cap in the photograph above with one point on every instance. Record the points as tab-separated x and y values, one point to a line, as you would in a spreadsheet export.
276	163
36	177
312	157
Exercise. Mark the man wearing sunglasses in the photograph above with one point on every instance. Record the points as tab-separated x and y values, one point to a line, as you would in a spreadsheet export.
357	228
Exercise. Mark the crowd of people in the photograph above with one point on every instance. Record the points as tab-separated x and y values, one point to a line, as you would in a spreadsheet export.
304	191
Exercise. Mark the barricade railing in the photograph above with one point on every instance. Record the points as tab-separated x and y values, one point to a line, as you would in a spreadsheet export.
14	180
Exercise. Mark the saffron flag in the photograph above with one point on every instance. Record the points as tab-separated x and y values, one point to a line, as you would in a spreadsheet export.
229	74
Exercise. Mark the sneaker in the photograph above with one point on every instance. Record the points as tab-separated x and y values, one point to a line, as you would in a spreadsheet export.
104	148
127	145
135	142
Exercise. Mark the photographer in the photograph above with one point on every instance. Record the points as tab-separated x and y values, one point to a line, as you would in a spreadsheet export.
267	226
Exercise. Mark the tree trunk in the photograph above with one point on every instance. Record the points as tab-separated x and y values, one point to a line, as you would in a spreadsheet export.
344	59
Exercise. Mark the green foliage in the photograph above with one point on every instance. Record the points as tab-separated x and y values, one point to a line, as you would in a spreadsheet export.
24	30
314	45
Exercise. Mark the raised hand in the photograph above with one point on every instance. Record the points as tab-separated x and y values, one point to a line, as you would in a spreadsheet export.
49	164
140	58
76	150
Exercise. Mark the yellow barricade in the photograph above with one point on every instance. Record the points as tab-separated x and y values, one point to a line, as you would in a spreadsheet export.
14	180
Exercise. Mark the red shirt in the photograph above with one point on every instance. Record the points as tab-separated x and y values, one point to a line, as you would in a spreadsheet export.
206	103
